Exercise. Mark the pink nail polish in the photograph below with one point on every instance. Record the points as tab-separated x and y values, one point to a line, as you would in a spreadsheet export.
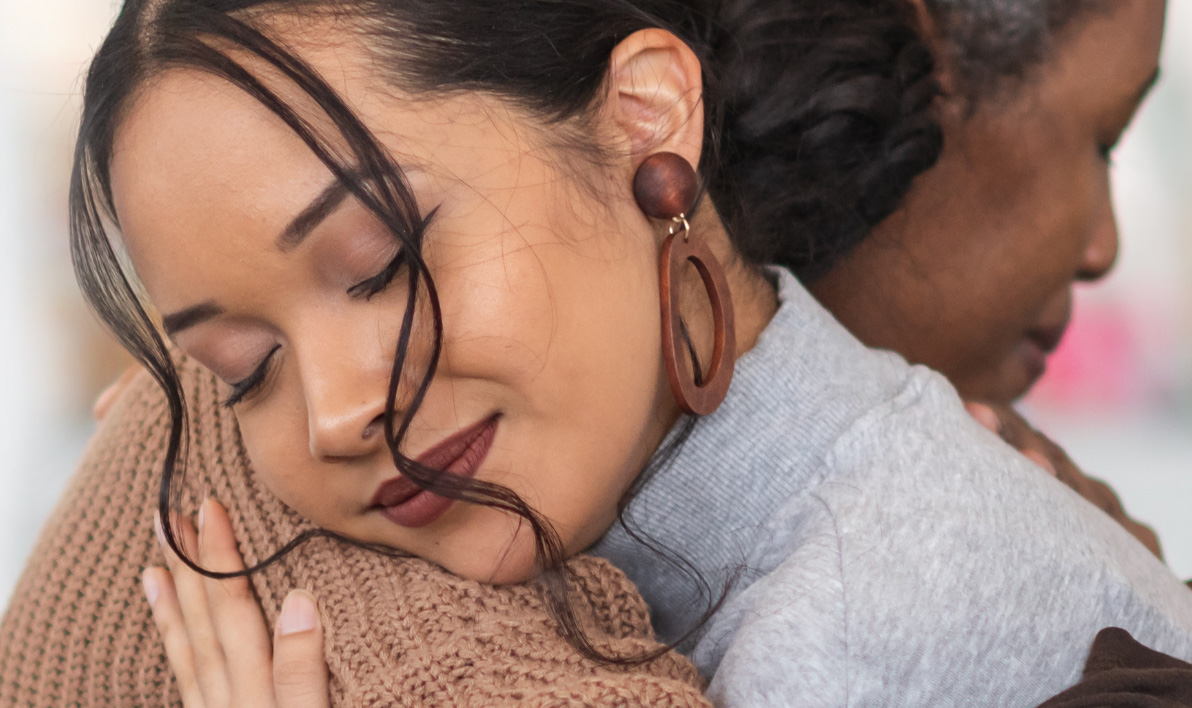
150	585
298	614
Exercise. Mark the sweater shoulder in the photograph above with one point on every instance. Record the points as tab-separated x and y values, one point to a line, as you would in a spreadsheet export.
926	564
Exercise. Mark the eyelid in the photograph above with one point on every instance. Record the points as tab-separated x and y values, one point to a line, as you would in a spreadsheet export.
371	286
243	388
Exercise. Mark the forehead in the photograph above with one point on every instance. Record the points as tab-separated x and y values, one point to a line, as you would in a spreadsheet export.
1115	45
198	163
196	151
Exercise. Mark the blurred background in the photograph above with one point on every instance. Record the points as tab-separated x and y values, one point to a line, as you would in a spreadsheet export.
1118	394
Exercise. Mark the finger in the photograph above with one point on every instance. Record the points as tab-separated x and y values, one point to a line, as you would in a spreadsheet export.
1013	428
1055	454
167	617
1034	445
210	666
103	403
984	415
299	666
239	626
1041	460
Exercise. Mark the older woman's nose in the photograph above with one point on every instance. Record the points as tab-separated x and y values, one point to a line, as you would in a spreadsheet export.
1101	251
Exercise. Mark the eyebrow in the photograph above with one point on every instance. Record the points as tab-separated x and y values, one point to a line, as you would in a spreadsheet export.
310	217
298	229
189	317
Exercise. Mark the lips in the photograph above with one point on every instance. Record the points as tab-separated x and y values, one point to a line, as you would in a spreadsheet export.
1034	349
1048	338
406	504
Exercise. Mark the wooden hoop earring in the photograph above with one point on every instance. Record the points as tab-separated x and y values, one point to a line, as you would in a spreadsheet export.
665	187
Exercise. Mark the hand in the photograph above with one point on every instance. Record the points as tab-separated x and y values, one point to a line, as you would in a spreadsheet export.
103	403
1038	448
1035	446
215	636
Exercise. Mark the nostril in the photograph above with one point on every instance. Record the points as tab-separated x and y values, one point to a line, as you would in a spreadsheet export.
374	428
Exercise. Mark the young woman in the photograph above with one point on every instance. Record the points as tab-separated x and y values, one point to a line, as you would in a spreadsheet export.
907	281
697	340
425	249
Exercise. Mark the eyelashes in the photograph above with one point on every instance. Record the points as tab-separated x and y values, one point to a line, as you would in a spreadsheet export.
242	388
365	289
368	288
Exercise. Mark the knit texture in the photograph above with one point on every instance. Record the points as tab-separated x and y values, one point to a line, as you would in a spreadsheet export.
399	631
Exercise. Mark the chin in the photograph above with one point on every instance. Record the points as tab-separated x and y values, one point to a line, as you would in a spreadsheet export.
514	563
1003	386
1021	382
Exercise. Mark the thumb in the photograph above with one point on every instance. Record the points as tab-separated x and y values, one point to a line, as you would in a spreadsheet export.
299	666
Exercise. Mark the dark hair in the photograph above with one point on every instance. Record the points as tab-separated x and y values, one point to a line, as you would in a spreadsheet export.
828	119
992	44
814	153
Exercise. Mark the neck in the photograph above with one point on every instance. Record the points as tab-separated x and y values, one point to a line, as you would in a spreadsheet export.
754	297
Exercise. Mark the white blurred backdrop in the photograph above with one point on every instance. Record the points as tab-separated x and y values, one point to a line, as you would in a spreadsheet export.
1118	396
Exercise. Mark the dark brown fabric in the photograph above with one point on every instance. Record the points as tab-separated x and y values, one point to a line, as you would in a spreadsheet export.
1121	673
400	632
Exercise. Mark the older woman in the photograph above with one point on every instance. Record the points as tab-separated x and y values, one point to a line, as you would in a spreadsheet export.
968	266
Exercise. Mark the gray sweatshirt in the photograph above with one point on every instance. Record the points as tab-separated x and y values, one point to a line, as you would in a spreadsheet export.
887	550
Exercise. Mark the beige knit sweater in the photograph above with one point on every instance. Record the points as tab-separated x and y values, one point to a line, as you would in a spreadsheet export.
398	632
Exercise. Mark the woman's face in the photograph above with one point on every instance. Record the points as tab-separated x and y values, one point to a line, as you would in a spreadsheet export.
974	276
550	380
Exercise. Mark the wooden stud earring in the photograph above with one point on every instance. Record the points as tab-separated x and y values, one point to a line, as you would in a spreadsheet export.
665	187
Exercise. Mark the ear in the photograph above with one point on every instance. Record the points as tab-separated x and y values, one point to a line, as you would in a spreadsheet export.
934	36
654	97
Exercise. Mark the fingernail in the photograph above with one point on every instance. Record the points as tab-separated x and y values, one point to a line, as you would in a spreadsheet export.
161	535
1041	460
298	614
985	416
103	402
150	584
202	508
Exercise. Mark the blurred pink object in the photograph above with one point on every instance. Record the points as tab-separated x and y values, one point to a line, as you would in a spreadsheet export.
1098	365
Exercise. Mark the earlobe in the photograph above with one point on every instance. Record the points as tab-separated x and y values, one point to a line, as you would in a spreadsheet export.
655	95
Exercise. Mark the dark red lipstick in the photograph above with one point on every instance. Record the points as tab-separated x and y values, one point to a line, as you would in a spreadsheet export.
406	504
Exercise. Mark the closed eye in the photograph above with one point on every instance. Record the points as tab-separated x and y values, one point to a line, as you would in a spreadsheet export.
374	285
243	388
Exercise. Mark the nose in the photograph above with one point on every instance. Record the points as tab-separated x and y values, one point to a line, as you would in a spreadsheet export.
1101	251
345	406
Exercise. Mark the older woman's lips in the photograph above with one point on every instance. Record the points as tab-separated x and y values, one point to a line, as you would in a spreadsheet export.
1037	345
1048	338
406	504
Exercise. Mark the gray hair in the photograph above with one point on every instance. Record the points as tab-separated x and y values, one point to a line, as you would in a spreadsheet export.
993	43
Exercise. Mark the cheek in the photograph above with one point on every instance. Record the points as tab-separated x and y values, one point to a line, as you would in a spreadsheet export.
553	307
543	283
1057	193
277	447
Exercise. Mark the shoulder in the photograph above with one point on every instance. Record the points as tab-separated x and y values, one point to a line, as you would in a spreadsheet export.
932	563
